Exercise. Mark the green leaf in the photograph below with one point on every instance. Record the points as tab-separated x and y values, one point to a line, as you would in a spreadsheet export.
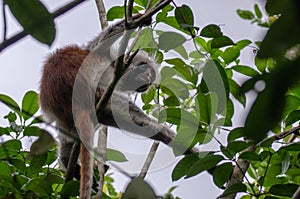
238	146
233	189
292	104
149	95
204	164
211	31
235	90
183	69
291	147
41	145
293	117
285	161
222	41
222	174
171	101
206	107
185	18
38	162
182	51
70	189
5	170
11	117
235	134
114	155
215	81
13	147
39	185
242	44
116	12
178	116
176	87
32	131
257	11
250	155
8	101
245	14
283	189
34	18
30	104
170	40
184	165
138	188
287	24
267	109
246	70
230	55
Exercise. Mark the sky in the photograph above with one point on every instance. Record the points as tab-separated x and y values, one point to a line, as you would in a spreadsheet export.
21	65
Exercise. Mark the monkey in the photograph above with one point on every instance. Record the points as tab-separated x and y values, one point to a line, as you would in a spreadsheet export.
74	79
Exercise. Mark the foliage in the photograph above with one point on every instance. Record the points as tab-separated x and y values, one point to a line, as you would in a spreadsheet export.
198	93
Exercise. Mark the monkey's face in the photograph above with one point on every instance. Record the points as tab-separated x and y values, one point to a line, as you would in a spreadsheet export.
139	77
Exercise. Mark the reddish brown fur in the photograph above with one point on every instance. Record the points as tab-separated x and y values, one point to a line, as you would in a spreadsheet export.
57	82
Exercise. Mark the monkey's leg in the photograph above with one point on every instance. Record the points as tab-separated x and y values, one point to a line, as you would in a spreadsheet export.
124	114
73	168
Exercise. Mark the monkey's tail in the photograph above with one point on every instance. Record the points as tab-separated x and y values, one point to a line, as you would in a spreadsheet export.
86	129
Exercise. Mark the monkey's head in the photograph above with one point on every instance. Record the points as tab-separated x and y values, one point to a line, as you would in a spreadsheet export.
140	74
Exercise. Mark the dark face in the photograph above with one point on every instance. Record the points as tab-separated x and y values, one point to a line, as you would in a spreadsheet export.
139	77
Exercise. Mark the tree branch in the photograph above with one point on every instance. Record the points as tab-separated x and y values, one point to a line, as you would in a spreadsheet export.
18	36
101	158
242	165
149	160
4	21
102	14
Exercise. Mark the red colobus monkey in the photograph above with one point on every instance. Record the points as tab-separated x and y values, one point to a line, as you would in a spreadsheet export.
74	79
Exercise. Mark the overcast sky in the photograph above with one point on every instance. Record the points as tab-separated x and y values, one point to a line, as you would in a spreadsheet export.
20	71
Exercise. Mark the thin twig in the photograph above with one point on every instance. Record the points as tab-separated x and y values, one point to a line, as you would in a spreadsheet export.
149	5
296	194
101	157
242	165
149	160
18	36
4	21
129	10
102	14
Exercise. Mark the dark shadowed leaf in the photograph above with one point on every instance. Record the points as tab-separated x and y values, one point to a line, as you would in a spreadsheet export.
138	188
233	189
70	189
268	106
222	174
34	18
220	42
211	31
204	164
183	166
185	18
293	117
245	70
284	189
250	155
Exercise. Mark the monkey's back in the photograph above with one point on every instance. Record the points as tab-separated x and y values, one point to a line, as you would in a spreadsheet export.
57	82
